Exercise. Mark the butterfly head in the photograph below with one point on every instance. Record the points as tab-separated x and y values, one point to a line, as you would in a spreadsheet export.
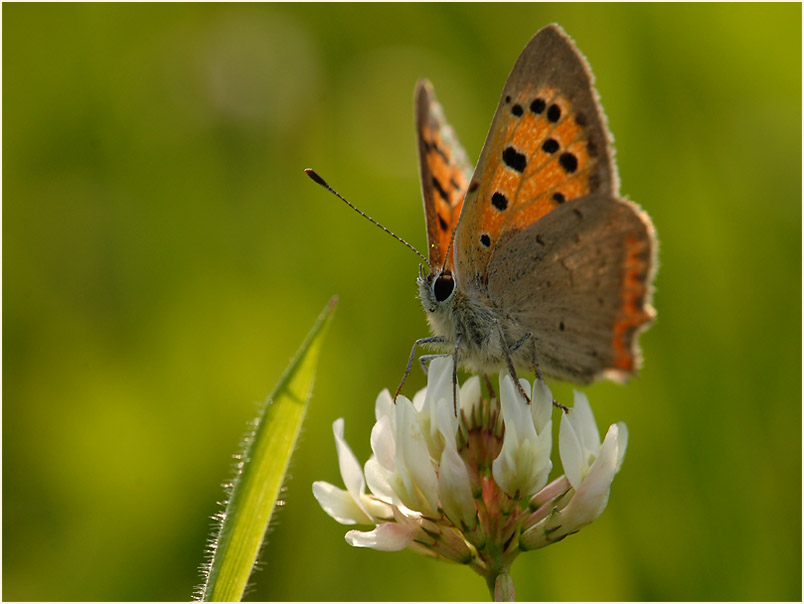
437	290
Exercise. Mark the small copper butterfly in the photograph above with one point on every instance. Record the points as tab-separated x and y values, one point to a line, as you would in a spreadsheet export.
534	260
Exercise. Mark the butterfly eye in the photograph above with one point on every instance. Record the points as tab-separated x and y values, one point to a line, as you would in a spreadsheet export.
443	286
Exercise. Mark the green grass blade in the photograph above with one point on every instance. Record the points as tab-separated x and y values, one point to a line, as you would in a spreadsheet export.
265	460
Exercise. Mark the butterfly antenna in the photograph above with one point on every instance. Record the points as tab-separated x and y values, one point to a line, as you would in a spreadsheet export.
316	178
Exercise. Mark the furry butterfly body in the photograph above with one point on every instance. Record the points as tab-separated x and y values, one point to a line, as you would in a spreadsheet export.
535	261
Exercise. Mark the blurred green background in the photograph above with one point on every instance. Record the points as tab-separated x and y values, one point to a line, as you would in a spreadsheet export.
164	256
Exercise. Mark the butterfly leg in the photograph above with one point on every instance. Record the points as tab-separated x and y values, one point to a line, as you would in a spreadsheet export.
537	370
489	386
510	362
431	340
455	376
516	345
425	359
534	361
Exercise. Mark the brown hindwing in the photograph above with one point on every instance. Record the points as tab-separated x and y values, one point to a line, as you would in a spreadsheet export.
579	281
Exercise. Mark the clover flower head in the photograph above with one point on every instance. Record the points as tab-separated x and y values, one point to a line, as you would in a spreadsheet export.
473	488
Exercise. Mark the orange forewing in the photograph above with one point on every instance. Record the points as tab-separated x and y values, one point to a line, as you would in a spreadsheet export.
444	172
546	180
548	144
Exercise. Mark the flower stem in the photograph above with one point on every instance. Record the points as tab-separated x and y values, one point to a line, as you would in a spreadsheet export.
501	586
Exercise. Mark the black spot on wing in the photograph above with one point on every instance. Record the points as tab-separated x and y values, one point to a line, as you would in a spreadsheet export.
499	201
550	145
569	162
434	147
537	106
440	189
514	159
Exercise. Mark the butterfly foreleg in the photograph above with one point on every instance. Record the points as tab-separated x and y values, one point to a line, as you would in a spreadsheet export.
419	342
425	360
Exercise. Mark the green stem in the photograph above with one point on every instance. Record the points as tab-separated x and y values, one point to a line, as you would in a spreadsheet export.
501	586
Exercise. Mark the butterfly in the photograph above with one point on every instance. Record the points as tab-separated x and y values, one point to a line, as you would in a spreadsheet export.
535	262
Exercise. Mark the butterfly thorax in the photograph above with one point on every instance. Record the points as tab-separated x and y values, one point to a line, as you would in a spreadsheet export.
467	319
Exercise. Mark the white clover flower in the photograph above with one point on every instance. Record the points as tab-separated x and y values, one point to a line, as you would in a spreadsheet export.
473	488
522	467
580	496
